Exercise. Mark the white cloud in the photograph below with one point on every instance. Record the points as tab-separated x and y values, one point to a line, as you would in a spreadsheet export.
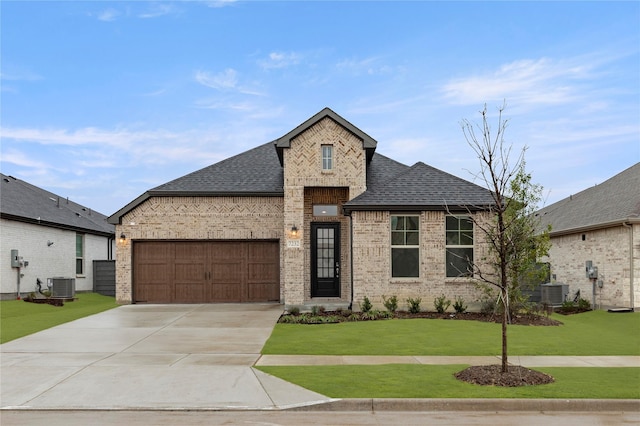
19	158
225	80
277	60
108	15
527	81
369	66
158	9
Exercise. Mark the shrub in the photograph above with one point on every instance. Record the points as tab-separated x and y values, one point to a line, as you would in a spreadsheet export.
441	304
414	304
366	305
459	305
294	310
584	304
314	310
391	303
568	305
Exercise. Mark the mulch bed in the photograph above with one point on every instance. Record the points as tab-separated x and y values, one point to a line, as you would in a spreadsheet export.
492	375
520	319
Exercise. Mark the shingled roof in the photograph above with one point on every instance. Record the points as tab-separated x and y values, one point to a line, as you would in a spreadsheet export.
614	201
21	201
422	187
259	172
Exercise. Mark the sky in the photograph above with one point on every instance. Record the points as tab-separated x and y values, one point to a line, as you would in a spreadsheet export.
102	101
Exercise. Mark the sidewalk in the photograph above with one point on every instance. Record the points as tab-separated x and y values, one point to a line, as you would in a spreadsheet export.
525	361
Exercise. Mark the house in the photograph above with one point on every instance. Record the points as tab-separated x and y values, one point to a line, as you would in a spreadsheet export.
316	217
53	236
599	228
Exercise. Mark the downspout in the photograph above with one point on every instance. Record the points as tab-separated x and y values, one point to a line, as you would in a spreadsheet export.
351	258
110	247
631	289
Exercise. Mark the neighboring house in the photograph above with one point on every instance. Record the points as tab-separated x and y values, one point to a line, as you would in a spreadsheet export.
55	236
600	225
316	217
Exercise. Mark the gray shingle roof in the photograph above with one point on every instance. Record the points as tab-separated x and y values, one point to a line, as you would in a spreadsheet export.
256	171
24	202
423	187
615	200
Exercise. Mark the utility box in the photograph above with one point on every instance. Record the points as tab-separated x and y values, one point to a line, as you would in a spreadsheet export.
15	259
62	288
554	294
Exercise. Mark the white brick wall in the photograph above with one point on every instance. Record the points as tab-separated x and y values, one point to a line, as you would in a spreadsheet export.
57	260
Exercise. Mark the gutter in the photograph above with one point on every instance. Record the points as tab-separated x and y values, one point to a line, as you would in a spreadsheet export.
631	265
624	222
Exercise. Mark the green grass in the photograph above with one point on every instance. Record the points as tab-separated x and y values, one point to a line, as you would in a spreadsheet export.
437	381
591	333
19	318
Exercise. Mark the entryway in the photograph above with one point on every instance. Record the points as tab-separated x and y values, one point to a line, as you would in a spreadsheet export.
325	259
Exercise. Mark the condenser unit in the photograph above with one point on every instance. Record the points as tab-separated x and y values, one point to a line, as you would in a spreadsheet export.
554	294
62	288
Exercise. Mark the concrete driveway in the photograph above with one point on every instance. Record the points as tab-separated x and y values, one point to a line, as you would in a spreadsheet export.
150	356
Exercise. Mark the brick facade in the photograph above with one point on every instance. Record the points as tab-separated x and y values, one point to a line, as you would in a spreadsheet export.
608	249
303	169
372	262
195	218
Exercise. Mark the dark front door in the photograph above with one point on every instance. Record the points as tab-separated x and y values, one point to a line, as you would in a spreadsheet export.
325	260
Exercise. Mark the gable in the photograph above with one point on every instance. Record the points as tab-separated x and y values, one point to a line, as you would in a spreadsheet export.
368	143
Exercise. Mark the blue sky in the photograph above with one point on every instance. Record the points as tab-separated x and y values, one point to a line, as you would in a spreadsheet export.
102	101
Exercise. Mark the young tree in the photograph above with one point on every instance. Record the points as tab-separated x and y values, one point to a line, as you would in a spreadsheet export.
514	244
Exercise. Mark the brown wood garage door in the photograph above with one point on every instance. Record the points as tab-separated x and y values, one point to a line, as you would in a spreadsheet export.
206	271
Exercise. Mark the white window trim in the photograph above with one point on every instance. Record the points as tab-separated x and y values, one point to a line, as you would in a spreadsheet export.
448	246
332	158
392	246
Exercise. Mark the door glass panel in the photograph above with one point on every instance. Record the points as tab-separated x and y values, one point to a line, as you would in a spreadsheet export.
325	253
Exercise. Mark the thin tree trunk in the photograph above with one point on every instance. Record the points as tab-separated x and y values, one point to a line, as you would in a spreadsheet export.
505	313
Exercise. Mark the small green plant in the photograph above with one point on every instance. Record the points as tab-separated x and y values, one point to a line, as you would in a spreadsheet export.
459	306
414	304
391	303
584	304
441	304
568	305
366	305
315	309
294	310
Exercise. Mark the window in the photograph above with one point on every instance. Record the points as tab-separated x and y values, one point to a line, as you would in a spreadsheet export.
325	210
79	254
405	246
459	246
327	157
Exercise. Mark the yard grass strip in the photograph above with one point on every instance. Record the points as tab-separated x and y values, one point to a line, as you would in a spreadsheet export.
591	333
19	318
437	381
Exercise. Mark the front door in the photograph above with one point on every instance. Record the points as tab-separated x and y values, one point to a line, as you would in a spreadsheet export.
325	259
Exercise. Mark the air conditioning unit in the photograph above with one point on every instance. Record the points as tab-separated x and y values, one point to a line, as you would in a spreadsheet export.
554	294
62	288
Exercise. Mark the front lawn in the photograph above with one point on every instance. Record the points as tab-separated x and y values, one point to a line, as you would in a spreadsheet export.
19	318
437	381
590	333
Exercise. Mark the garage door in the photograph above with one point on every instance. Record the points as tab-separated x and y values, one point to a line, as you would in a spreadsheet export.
206	271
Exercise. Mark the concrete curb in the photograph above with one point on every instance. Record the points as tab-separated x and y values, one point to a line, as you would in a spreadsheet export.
452	404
